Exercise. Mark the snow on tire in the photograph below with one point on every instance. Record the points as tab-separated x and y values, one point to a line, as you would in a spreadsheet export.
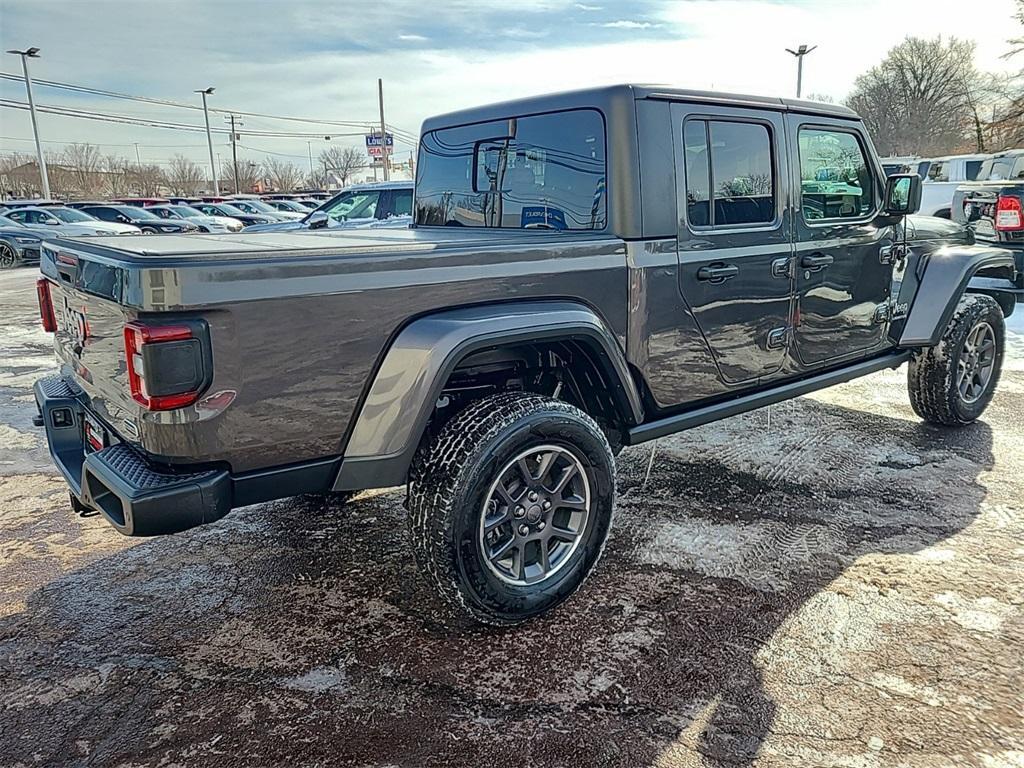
953	382
513	473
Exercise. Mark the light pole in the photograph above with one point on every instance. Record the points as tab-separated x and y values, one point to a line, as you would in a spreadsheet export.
33	53
800	52
209	139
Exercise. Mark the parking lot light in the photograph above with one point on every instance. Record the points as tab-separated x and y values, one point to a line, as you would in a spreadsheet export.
204	92
33	53
800	52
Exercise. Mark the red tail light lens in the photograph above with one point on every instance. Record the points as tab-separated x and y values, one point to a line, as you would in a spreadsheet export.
171	355
46	314
1009	214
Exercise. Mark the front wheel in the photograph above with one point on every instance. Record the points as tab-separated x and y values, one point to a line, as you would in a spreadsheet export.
510	506
953	382
8	257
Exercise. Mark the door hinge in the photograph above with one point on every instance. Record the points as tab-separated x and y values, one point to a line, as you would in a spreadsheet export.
778	337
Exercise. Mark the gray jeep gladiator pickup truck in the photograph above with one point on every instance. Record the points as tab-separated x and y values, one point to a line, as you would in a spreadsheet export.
586	270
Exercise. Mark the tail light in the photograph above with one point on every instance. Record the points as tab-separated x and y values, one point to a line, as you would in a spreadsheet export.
46	314
168	365
1009	214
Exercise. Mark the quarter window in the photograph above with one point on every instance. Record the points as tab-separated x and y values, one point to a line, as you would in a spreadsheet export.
535	172
835	182
729	177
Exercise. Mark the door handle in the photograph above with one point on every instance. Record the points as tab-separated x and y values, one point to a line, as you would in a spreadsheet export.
815	262
717	273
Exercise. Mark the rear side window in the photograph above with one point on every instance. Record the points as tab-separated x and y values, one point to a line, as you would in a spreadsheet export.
729	176
971	169
939	172
835	182
401	202
536	172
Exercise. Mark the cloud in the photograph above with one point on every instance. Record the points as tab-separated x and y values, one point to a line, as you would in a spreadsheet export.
584	7
413	38
627	24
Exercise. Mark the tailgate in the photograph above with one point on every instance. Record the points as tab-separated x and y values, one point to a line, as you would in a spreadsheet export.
89	337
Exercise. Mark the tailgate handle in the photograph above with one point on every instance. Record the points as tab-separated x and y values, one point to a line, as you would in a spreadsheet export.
717	273
816	262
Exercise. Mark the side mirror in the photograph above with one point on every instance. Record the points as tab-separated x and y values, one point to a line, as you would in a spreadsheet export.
902	194
53	222
318	220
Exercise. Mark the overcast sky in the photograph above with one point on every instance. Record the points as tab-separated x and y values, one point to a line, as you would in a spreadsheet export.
321	59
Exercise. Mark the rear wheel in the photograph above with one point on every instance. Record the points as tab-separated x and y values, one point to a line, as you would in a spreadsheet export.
148	231
953	382
510	506
8	257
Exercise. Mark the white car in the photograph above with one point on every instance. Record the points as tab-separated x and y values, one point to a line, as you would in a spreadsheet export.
67	222
206	223
257	207
945	174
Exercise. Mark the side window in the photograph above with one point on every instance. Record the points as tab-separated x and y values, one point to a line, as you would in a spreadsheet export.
835	182
401	202
17	216
939	172
729	177
971	169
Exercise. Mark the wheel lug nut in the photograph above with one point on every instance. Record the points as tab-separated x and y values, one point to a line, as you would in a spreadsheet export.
546	504
524	530
540	525
519	512
533	495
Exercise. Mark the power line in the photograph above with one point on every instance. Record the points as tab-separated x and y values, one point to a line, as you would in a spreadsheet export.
362	124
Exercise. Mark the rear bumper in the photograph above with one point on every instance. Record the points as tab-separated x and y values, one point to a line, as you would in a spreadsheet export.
142	497
137	497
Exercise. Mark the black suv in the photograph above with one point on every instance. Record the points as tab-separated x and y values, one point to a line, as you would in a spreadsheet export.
148	222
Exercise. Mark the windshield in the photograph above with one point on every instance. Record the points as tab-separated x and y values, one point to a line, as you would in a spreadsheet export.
184	211
997	169
69	215
253	206
136	213
228	210
288	205
353	205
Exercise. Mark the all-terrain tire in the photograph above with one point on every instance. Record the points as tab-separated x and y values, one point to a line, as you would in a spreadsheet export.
451	481
932	377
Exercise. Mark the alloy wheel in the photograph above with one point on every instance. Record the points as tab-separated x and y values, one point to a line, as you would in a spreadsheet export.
8	258
535	514
977	362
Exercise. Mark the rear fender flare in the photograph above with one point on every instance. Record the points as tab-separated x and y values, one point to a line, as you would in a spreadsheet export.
414	370
945	276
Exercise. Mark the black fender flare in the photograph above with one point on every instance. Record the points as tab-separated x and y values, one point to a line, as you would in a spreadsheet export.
944	278
401	398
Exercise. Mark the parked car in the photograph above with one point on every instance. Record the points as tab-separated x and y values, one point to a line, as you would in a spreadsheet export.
67	222
149	223
905	164
618	264
226	210
289	206
355	206
257	207
945	174
19	245
34	203
141	202
993	206
185	200
201	220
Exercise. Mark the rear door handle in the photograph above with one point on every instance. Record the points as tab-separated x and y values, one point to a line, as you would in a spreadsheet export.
717	273
815	262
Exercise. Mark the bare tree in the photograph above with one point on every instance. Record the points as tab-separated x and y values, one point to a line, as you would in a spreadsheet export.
249	175
20	174
147	180
62	181
284	176
84	164
118	180
920	98
342	162
184	177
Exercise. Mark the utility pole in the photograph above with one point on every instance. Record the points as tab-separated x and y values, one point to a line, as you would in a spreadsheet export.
309	148
138	157
33	53
383	131
234	150
800	52
209	139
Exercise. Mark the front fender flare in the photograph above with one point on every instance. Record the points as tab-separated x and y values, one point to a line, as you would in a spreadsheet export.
946	273
409	381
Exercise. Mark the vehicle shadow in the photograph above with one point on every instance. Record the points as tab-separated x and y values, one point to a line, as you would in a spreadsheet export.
300	632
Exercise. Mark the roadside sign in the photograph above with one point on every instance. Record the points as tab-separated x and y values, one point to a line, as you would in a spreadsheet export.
373	144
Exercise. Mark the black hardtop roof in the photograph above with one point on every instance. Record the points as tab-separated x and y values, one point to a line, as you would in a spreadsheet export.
604	96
